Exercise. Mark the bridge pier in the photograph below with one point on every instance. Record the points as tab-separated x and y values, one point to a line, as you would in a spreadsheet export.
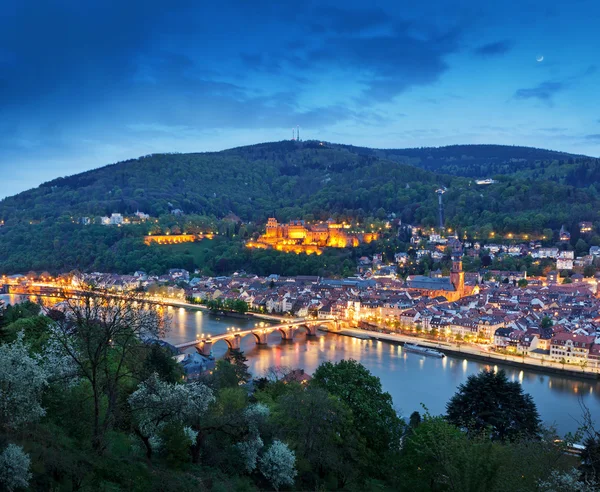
261	336
204	347
234	342
311	330
287	333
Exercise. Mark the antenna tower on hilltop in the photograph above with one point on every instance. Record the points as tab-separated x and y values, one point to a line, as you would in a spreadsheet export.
440	192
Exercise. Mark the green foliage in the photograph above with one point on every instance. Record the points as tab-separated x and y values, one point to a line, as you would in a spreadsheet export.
539	194
374	416
488	403
322	432
546	322
160	360
175	445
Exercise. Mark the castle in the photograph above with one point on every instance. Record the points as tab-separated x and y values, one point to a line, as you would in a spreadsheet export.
299	237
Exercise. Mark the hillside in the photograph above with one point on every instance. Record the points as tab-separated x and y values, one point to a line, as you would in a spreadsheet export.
290	177
475	161
536	190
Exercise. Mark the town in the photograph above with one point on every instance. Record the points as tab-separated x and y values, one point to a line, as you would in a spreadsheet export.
551	320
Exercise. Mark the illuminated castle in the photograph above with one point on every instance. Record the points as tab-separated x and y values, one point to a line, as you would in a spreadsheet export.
300	237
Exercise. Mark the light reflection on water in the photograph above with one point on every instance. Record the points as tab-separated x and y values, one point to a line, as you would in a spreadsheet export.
410	378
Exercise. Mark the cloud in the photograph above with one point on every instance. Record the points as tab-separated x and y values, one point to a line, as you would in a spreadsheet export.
349	21
493	49
544	91
594	137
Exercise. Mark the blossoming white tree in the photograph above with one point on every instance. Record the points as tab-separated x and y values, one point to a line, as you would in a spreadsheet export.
22	380
278	464
156	403
14	468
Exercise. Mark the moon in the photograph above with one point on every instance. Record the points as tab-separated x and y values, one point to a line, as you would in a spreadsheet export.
540	58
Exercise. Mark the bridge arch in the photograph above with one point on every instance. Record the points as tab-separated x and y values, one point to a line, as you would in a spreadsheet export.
309	328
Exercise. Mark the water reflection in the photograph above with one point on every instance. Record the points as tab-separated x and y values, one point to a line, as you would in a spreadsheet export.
410	378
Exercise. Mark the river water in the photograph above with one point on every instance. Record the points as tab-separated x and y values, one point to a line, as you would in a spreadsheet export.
410	378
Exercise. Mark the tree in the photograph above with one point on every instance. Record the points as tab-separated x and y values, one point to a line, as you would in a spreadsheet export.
522	283
14	468
490	404
546	322
278	464
238	360
22	381
321	431
590	456
568	481
156	404
373	414
102	334
438	456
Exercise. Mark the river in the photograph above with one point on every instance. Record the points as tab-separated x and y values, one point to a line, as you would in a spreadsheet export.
410	378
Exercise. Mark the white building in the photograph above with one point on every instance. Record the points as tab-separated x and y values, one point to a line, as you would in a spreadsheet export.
565	260
116	219
545	253
142	215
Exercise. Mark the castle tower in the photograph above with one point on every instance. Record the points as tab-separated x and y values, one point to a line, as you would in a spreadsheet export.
271	227
457	276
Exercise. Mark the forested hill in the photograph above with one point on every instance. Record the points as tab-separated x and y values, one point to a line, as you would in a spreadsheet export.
536	191
476	161
291	178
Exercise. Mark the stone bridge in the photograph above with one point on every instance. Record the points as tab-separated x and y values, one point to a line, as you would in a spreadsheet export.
234	337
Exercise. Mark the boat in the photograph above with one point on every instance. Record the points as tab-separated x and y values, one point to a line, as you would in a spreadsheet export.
413	347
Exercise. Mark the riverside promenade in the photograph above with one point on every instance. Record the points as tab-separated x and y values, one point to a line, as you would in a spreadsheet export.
474	352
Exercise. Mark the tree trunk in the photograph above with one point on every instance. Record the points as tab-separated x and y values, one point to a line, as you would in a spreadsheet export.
96	437
196	448
146	441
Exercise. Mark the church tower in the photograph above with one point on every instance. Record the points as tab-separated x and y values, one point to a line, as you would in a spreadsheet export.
457	276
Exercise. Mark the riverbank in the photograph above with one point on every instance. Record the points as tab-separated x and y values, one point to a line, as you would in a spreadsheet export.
51	292
472	353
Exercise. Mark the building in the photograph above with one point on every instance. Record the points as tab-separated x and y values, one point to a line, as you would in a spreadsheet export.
570	348
565	260
545	253
299	237
586	227
452	288
564	235
114	219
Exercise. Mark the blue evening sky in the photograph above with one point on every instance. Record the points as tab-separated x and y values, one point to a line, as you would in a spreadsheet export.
87	83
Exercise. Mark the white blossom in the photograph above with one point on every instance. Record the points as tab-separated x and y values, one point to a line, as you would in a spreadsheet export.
568	481
278	464
191	434
156	403
59	365
22	380
14	468
257	411
249	451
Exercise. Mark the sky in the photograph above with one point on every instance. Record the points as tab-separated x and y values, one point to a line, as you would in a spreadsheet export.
88	83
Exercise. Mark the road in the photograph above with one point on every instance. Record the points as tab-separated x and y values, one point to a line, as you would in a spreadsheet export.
457	349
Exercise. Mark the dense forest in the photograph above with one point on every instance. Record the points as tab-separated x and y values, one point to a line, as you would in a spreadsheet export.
90	403
535	191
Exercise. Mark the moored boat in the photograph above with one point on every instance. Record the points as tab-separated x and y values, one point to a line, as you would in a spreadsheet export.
413	347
